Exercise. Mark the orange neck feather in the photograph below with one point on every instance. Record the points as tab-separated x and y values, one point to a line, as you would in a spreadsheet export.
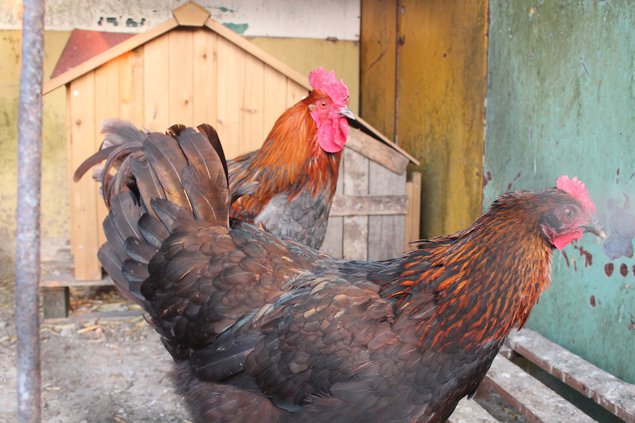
291	160
479	283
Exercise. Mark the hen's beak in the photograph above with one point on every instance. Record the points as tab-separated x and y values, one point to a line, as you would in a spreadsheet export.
345	111
595	228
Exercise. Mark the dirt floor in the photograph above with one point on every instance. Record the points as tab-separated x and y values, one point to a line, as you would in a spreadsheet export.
113	370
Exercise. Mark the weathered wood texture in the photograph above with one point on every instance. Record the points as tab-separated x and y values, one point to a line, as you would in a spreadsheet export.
527	395
189	76
204	72
436	51
413	191
378	63
469	411
613	394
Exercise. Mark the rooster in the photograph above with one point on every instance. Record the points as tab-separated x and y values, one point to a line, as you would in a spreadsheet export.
269	330
287	185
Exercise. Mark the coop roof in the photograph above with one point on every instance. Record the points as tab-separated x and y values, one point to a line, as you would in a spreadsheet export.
88	50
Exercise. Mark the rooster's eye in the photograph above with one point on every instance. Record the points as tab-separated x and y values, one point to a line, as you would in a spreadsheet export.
322	104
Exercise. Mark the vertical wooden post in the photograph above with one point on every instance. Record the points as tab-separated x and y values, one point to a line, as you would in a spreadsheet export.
442	83
378	53
423	79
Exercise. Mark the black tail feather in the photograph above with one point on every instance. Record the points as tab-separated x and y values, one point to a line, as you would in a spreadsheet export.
152	230
167	161
148	183
153	184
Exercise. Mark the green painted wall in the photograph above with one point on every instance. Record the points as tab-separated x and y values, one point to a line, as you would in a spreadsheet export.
561	100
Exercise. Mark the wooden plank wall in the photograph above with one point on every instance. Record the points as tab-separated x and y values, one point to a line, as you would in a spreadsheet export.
188	76
368	216
436	51
192	76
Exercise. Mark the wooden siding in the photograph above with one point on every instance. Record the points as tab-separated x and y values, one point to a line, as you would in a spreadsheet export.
369	211
192	76
423	74
188	76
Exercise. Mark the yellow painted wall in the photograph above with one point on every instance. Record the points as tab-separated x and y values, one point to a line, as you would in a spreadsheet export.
438	58
441	102
55	221
301	54
304	55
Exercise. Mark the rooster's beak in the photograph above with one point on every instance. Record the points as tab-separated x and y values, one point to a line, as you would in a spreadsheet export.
595	228
345	111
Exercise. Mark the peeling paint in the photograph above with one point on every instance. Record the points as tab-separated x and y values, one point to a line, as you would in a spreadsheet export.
624	269
592	301
620	227
237	28
588	257
609	268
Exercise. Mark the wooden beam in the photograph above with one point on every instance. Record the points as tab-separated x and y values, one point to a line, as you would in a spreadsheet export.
376	151
355	227
468	411
378	63
606	390
191	14
255	51
528	396
118	50
413	215
441	88
369	205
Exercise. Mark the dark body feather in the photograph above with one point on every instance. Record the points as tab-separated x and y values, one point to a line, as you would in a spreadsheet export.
268	330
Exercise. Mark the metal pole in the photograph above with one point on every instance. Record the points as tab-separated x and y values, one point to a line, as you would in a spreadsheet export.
27	274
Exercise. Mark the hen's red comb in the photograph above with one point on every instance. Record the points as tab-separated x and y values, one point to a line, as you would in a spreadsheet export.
575	188
325	81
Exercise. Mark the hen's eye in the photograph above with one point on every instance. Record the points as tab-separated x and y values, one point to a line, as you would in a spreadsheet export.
322	103
569	211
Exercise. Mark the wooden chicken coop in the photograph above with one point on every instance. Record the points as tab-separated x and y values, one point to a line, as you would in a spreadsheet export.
191	69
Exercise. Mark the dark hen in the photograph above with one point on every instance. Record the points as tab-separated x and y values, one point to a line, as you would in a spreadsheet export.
267	330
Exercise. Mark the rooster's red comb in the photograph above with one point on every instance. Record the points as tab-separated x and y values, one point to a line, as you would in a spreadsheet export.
325	81
575	188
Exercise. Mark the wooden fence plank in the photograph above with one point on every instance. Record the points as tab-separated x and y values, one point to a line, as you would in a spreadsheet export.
613	394
230	96
295	92
205	76
369	205
84	221
131	86
253	103
156	77
181	77
275	98
386	230
468	411
333	240
106	107
355	229
528	396
413	216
